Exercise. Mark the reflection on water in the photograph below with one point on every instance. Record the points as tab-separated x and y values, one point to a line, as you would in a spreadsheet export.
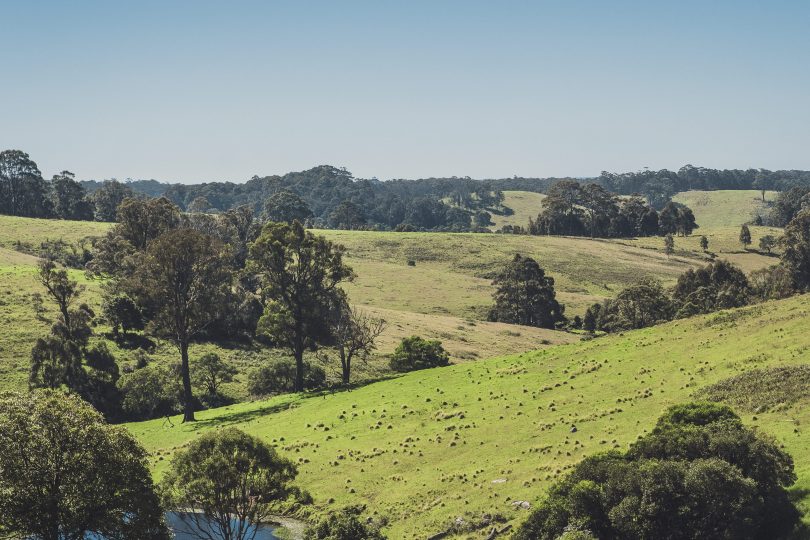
183	530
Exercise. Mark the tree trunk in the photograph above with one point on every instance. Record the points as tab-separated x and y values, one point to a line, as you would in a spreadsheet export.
188	396
346	364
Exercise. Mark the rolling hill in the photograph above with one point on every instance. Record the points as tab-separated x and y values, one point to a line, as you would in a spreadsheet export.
459	442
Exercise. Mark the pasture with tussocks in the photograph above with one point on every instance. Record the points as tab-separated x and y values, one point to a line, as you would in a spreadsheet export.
426	448
725	208
523	205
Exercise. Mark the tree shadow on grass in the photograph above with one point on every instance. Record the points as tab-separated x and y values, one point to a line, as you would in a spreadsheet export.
796	496
239	417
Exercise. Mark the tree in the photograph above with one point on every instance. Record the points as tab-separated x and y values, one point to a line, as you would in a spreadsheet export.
63	290
299	274
122	313
199	205
347	215
669	244
209	371
108	198
65	473
278	377
23	192
346	524
415	353
181	283
285	207
767	243
704	243
719	285
354	334
796	250
150	392
643	304
745	236
142	220
69	199
229	478
525	295
701	473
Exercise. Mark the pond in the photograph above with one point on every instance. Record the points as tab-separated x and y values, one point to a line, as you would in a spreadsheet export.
184	530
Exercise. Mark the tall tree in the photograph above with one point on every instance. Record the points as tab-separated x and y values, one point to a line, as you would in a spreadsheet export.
23	192
354	334
108	198
525	295
796	250
347	215
300	274
69	199
66	474
181	283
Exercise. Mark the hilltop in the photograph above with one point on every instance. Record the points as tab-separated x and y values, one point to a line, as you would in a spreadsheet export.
431	446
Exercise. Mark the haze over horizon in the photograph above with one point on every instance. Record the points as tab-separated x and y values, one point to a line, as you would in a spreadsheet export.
199	91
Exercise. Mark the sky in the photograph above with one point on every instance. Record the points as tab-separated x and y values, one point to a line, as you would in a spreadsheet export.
191	91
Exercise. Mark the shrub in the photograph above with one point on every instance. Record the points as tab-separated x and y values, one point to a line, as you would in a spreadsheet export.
416	353
278	377
149	393
346	524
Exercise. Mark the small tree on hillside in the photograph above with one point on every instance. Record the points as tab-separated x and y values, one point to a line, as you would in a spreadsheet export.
354	334
229	478
210	372
122	313
62	290
182	281
525	295
65	473
745	236
767	243
704	243
299	274
669	244
416	353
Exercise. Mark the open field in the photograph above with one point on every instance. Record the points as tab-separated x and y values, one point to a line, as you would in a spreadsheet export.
524	204
33	231
430	446
725	208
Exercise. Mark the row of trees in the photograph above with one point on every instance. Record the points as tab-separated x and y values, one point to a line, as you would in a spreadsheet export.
23	192
573	209
719	285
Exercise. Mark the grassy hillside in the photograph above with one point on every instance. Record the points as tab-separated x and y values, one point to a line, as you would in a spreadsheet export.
724	208
474	438
453	271
524	205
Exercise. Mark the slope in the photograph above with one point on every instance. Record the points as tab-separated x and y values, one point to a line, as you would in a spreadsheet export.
458	442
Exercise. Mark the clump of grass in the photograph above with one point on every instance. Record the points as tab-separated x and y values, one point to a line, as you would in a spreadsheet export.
760	390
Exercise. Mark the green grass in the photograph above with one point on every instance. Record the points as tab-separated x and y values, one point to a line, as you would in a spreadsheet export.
32	231
428	447
524	205
725	208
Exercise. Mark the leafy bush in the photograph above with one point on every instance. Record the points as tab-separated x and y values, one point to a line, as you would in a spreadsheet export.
417	353
149	393
278	377
346	524
700	474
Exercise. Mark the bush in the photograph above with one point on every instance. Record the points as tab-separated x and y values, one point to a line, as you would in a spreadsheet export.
278	377
416	353
346	524
149	393
700	474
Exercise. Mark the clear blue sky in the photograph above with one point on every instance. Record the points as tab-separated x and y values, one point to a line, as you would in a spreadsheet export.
192	91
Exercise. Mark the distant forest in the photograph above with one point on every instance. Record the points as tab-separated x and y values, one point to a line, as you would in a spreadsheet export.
331	197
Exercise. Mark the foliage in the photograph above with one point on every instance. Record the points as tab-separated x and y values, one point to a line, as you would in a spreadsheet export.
699	474
644	304
719	285
669	244
416	353
150	392
704	243
354	334
767	243
180	283
122	313
108	197
278	377
344	524
525	295
23	192
796	253
68	198
64	473
772	283
210	372
299	274
286	207
229	478
745	235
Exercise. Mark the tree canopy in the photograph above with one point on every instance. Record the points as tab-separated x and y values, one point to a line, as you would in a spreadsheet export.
525	295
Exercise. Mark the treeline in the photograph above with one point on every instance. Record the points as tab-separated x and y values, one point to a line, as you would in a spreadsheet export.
719	285
574	209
